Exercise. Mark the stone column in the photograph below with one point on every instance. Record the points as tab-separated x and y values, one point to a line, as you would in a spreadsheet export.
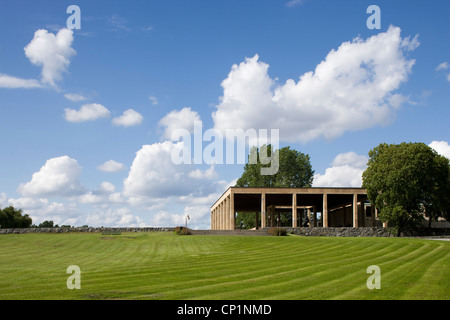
232	213
221	216
294	210
217	218
309	216
325	211
263	210
227	214
355	211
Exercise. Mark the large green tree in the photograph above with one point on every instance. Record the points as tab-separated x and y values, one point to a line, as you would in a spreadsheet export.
294	170
13	218
405	181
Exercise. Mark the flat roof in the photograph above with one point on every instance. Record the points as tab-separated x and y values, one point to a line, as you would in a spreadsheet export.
298	190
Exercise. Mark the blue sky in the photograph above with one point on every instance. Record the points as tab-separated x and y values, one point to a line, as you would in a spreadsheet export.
86	114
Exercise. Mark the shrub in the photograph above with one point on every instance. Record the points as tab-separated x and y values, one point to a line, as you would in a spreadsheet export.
275	231
183	231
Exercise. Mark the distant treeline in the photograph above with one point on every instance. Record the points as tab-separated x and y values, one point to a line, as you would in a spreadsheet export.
14	218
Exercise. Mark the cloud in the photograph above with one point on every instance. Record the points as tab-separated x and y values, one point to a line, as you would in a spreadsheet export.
57	177
111	166
154	100
178	119
441	147
153	174
117	23
87	112
104	194
352	89
203	174
294	3
351	159
442	66
52	52
345	171
3	200
75	97
163	218
11	82
41	209
115	217
106	188
199	217
128	118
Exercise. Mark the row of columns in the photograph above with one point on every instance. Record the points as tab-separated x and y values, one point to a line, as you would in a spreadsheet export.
222	216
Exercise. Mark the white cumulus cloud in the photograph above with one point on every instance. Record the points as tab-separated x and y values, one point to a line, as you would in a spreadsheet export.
114	217
41	209
3	200
111	166
87	112
129	118
345	171
441	147
353	88
178	119
52	52
57	177
11	82
153	174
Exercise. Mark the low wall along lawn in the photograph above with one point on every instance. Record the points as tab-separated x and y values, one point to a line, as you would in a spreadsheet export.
85	229
302	231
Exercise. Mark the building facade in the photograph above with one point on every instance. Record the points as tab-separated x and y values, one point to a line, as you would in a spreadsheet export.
312	207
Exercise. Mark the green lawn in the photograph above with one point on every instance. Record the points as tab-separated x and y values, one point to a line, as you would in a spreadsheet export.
166	266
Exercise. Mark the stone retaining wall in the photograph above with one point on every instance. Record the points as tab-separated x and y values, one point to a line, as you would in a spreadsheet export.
325	232
369	232
84	229
341	232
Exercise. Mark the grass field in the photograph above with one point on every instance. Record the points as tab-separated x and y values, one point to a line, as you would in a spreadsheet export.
166	266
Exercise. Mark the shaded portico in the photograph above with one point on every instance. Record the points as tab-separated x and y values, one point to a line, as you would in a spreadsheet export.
347	207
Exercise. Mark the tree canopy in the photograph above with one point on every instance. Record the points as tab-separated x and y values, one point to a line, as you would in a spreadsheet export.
405	181
294	170
13	218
